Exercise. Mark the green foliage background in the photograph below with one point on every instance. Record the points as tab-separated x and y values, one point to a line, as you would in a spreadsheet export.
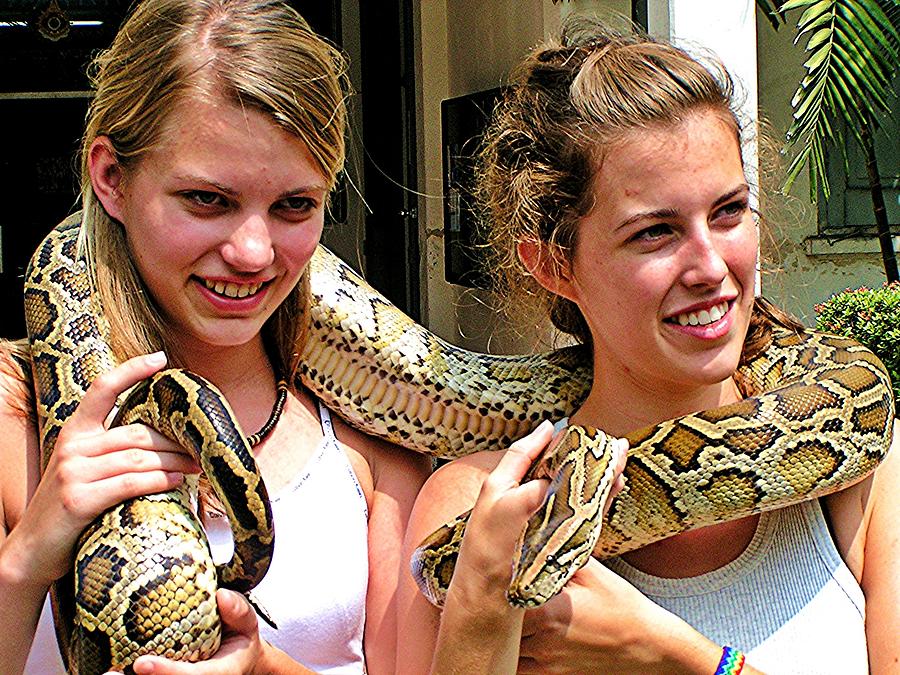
870	316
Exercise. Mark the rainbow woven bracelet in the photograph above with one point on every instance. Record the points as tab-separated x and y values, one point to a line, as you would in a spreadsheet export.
731	663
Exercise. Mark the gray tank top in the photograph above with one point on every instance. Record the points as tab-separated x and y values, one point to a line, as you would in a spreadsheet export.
788	601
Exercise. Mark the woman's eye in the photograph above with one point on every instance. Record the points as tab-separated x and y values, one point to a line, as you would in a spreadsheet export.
652	233
204	198
734	209
298	205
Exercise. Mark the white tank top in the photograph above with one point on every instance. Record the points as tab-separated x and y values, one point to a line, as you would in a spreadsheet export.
788	601
315	589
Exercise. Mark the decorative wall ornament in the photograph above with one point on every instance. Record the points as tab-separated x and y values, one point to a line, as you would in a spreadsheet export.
53	22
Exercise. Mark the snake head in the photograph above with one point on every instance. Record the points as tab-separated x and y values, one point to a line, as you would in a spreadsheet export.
560	537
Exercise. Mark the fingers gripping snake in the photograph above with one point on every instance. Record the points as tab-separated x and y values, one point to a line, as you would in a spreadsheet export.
824	422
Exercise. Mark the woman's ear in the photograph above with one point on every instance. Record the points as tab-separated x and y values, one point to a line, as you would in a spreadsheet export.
106	176
549	266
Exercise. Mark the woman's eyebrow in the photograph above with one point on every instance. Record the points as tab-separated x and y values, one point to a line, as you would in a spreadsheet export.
656	214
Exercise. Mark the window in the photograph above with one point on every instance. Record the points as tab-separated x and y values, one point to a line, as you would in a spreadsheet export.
848	212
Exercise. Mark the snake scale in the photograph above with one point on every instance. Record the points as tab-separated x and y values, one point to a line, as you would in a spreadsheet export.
823	422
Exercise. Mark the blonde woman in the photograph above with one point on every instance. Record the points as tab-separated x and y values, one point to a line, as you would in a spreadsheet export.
212	144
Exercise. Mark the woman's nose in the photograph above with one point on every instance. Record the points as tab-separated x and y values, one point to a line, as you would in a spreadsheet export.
249	248
705	263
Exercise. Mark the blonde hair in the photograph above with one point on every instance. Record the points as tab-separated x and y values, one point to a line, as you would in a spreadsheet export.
567	104
258	54
16	386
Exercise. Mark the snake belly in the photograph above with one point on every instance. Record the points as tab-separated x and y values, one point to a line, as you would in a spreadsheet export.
143	580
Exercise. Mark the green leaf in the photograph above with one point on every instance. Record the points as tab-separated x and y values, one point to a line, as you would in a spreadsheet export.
823	7
851	57
848	35
817	166
871	17
873	29
815	23
795	4
796	166
821	36
870	92
771	12
805	98
818	57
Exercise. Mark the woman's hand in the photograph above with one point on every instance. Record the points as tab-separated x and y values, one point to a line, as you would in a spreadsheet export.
503	506
93	468
479	631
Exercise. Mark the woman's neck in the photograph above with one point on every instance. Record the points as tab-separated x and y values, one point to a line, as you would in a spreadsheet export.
243	373
626	405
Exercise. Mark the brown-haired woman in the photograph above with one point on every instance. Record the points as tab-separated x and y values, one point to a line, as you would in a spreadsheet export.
213	141
615	187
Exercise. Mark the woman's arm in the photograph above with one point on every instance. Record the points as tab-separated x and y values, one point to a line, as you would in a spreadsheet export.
479	631
881	570
397	477
601	623
21	599
864	519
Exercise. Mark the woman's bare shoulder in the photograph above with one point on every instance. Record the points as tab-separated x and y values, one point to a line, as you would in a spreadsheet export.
453	488
19	451
386	461
850	511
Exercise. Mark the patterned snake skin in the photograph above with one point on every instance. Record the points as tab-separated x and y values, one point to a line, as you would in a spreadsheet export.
823	420
812	434
144	580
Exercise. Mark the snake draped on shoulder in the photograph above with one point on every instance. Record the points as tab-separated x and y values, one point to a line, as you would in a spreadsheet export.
822	421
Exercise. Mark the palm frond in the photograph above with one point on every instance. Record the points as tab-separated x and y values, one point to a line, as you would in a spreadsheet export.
852	55
771	12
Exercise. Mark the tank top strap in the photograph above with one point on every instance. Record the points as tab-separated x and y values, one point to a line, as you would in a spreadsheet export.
326	422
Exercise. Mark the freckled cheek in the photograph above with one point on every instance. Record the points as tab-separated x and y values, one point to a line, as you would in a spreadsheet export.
743	251
743	266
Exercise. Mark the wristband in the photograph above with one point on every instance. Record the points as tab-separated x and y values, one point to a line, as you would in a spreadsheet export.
731	663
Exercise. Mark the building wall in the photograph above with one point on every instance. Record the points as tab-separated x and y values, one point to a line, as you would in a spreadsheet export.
466	46
803	269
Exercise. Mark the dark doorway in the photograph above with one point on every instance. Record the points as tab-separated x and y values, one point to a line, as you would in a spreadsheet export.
44	95
43	100
388	104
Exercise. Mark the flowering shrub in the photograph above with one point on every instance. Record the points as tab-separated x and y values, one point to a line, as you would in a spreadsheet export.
870	316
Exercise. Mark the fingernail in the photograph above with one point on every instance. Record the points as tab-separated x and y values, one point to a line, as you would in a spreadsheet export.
546	423
156	359
143	667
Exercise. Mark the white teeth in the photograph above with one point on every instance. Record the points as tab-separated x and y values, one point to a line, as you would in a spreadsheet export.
232	290
704	317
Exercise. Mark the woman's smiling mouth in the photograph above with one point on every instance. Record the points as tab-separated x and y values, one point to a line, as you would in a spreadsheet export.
704	317
230	289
